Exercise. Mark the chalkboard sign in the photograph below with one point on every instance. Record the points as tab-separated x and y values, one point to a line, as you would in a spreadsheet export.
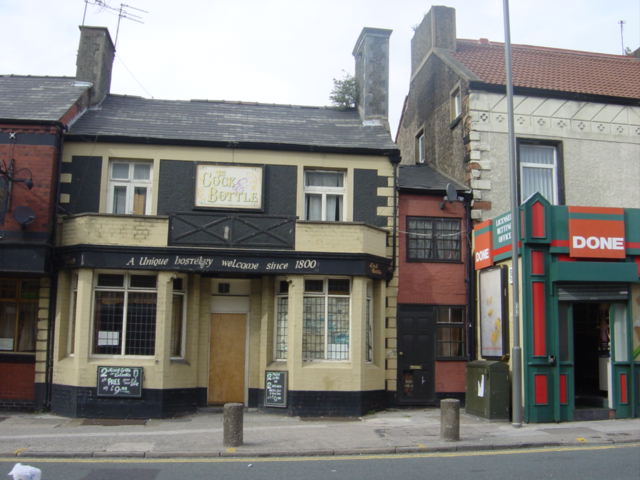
275	389
120	382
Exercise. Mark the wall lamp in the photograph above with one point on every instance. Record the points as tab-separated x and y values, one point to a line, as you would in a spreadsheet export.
10	174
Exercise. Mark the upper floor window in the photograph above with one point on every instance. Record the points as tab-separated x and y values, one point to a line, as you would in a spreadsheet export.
421	152
125	314
433	239
18	314
129	187
324	195
538	166
456	103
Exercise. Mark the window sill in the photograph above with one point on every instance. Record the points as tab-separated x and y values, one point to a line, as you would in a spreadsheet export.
454	123
180	361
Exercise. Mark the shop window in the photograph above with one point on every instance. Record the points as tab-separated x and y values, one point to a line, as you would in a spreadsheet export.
129	188
326	317
450	337
178	318
282	319
539	168
71	336
433	239
18	314
125	314
369	320
324	195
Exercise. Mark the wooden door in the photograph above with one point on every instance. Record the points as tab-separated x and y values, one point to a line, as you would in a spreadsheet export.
227	358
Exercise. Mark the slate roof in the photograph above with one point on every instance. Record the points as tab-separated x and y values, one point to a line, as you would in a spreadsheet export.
227	123
551	68
424	177
38	98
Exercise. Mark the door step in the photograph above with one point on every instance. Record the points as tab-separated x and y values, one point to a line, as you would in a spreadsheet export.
593	414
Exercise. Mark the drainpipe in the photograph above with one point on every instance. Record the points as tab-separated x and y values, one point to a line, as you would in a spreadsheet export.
471	281
53	288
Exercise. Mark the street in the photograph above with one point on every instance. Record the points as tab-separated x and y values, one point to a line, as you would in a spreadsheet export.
566	463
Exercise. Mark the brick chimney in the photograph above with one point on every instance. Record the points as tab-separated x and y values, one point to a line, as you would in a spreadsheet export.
437	30
371	54
94	61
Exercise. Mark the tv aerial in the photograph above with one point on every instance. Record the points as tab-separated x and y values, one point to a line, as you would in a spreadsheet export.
123	12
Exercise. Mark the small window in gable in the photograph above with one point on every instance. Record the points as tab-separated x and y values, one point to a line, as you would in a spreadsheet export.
421	148
456	103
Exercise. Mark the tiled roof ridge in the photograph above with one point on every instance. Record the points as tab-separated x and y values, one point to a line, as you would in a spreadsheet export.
490	43
234	102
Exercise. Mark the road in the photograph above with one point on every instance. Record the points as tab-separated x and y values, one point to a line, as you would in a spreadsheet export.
566	463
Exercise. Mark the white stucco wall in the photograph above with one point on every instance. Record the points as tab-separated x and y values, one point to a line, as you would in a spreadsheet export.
600	148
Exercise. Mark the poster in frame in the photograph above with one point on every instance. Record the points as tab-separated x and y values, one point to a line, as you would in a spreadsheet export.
494	334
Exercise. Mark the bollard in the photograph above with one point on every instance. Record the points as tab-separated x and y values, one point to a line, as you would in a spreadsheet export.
450	419
232	424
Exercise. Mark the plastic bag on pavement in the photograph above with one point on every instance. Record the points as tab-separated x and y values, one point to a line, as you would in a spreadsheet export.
25	472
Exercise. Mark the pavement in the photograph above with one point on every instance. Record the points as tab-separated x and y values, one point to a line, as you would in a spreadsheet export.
393	431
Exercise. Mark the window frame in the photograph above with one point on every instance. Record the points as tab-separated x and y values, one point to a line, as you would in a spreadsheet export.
440	310
18	301
183	293
435	222
307	355
421	148
281	333
557	168
130	184
126	289
455	105
324	192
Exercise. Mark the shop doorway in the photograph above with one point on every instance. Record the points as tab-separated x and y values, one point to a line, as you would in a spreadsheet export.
591	352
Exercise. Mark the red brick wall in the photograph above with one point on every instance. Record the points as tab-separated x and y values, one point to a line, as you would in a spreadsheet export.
17	381
450	376
437	283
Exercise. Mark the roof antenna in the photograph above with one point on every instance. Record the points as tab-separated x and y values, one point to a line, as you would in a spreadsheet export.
122	12
622	22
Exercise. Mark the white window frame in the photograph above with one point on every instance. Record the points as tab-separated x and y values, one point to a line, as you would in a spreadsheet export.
456	103
280	349
183	333
324	192
553	167
421	148
327	355
130	184
126	288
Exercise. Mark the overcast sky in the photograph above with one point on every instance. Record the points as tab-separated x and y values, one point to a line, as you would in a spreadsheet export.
281	51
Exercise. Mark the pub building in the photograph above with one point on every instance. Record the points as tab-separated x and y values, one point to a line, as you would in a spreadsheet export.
215	252
580	307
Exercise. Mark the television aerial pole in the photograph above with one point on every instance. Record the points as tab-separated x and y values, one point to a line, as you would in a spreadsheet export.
123	12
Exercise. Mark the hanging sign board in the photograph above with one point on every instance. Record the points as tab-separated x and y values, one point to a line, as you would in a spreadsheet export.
275	389
119	382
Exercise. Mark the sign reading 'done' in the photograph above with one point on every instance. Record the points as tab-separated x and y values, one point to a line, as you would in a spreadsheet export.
229	186
596	232
482	243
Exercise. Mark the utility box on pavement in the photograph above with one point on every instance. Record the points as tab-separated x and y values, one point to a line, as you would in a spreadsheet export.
488	392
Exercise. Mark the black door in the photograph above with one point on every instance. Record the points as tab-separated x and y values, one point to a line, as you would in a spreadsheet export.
416	355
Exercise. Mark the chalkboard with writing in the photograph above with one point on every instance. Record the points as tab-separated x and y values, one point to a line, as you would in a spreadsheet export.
275	389
120	382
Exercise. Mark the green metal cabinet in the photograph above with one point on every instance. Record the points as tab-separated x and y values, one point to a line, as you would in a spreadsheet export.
488	392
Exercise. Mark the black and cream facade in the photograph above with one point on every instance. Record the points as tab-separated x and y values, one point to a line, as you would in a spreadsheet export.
218	252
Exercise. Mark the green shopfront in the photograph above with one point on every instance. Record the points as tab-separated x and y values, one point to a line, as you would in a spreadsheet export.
580	307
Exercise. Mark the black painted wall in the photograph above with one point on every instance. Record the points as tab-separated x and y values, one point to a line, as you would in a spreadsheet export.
84	189
366	200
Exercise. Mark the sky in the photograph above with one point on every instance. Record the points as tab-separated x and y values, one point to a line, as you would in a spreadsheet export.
281	51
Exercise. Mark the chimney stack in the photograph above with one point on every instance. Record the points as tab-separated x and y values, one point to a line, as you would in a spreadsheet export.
371	54
94	61
437	30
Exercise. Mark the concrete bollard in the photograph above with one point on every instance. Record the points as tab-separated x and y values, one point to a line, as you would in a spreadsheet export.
232	424
450	419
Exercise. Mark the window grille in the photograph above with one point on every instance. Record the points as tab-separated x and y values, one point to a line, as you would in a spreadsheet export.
433	239
326	319
282	314
125	314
